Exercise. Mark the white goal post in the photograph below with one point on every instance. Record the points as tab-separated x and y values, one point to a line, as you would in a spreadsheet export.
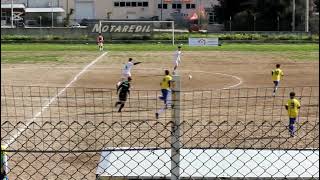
132	27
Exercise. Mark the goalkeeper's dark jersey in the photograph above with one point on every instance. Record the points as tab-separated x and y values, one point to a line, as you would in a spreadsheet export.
124	90
124	87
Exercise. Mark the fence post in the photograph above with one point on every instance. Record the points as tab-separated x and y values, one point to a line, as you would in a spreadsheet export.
172	33
175	130
306	28
293	15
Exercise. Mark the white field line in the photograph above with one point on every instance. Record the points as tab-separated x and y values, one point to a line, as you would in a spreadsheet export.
191	71
20	130
236	77
49	67
223	74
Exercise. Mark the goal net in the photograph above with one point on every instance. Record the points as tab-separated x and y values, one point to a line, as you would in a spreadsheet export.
139	31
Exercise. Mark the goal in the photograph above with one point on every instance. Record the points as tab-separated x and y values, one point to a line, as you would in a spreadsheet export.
137	30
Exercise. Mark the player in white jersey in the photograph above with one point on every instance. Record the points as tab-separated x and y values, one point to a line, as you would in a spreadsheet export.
177	59
126	71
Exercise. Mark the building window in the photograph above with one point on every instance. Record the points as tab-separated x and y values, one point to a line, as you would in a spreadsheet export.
4	16
145	4
132	4
190	6
176	6
164	6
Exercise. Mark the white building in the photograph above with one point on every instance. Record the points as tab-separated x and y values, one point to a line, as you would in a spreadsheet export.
138	9
178	10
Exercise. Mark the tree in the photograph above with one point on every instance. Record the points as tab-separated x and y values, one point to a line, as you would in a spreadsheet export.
266	12
316	4
67	18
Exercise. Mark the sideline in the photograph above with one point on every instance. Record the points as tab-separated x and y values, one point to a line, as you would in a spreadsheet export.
53	99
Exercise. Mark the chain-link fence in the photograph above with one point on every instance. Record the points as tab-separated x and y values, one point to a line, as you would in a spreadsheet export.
77	133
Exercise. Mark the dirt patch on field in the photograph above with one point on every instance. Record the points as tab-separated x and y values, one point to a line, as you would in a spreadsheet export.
209	70
243	115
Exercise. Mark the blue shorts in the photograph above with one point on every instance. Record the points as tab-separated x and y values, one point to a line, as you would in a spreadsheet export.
276	83
165	93
292	120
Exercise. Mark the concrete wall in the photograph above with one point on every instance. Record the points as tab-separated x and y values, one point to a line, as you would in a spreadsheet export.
67	33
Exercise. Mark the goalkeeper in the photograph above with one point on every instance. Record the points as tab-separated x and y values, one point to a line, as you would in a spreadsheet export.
123	90
100	41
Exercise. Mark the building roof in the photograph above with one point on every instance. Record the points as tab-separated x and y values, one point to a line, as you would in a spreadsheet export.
16	6
45	10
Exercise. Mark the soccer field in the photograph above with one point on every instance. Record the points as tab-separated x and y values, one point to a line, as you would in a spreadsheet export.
235	66
229	97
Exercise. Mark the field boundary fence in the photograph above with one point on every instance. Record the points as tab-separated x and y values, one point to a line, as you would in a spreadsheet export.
79	134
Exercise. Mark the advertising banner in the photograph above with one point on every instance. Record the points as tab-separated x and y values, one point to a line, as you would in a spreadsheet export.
123	28
203	41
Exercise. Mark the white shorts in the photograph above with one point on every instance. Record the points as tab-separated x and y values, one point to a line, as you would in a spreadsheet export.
176	63
126	75
100	44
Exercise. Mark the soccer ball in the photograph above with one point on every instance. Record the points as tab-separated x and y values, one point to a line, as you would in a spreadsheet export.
190	77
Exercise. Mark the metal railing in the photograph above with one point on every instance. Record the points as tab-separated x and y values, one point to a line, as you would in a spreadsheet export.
78	134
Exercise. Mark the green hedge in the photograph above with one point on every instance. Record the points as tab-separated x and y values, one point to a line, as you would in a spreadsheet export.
185	36
178	36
